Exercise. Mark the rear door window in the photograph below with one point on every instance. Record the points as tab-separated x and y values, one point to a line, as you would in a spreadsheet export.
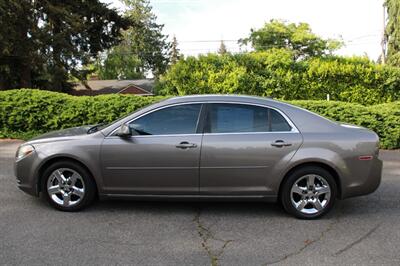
231	118
236	118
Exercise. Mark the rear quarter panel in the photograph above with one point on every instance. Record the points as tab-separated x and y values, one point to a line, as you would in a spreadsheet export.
340	149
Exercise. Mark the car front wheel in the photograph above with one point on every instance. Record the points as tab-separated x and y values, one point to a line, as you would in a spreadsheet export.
309	192
68	186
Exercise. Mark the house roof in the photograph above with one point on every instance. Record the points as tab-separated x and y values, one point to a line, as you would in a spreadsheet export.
142	86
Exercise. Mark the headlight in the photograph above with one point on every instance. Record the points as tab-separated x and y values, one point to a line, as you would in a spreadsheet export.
24	151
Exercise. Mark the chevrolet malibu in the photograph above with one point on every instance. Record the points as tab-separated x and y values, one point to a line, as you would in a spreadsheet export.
213	147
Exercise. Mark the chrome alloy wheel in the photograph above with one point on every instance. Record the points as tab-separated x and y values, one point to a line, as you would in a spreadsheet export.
310	194
66	187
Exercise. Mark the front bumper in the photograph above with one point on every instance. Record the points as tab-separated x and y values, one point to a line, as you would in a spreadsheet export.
24	171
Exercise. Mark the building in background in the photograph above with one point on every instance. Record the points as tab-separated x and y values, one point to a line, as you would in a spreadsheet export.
140	87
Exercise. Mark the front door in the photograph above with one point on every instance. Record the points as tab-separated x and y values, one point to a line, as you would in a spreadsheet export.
161	157
243	148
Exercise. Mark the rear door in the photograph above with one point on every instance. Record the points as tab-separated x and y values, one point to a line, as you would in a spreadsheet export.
243	147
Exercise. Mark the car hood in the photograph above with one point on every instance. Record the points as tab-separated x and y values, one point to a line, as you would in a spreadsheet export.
61	135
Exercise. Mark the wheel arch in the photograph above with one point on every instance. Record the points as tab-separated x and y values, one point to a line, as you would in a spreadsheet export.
53	160
325	166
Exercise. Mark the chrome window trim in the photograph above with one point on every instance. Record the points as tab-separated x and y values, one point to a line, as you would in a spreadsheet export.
251	133
291	124
164	135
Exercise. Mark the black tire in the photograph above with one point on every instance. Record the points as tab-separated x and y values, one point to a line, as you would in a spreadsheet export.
86	178
286	197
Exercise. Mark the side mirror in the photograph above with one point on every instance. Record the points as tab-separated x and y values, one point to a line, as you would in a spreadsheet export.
124	131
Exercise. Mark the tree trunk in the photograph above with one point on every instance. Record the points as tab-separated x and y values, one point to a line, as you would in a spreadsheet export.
58	74
25	75
2	83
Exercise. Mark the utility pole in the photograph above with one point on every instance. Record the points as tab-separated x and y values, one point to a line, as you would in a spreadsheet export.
383	42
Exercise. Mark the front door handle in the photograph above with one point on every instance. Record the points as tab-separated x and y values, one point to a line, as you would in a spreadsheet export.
280	144
186	145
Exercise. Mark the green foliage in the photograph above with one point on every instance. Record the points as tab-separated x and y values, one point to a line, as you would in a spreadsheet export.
120	64
222	48
144	47
277	74
28	110
392	32
16	49
297	37
145	38
208	74
44	42
174	53
26	113
384	119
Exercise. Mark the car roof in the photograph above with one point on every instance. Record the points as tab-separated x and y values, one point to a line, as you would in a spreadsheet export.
228	98
219	97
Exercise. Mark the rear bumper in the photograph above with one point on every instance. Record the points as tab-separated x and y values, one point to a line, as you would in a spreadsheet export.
370	182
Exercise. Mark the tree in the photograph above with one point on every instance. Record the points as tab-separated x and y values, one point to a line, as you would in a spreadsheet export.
50	40
144	48
120	64
77	31
175	53
16	47
145	38
392	32
222	48
296	37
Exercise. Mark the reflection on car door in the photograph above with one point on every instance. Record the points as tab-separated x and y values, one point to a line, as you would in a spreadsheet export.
241	146
162	159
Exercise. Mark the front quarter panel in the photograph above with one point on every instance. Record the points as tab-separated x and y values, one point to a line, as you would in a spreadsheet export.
85	150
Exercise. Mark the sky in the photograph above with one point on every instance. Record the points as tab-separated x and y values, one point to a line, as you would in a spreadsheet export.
199	25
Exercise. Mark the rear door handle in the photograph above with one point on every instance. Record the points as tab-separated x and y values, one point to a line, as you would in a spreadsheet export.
280	144
186	145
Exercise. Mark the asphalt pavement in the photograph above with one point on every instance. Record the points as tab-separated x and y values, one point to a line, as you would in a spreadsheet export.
358	231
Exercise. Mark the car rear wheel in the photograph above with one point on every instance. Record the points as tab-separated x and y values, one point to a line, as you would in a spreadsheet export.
68	186
309	192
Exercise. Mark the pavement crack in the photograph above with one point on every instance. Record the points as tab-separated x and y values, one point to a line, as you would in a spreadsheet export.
206	235
308	242
358	241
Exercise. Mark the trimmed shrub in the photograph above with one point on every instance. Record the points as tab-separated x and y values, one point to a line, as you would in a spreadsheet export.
25	113
384	119
275	73
29	110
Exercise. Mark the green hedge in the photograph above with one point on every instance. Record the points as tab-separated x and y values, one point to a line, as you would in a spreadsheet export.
277	74
384	119
25	113
28	111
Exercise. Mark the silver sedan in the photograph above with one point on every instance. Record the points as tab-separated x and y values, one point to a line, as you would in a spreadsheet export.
214	147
